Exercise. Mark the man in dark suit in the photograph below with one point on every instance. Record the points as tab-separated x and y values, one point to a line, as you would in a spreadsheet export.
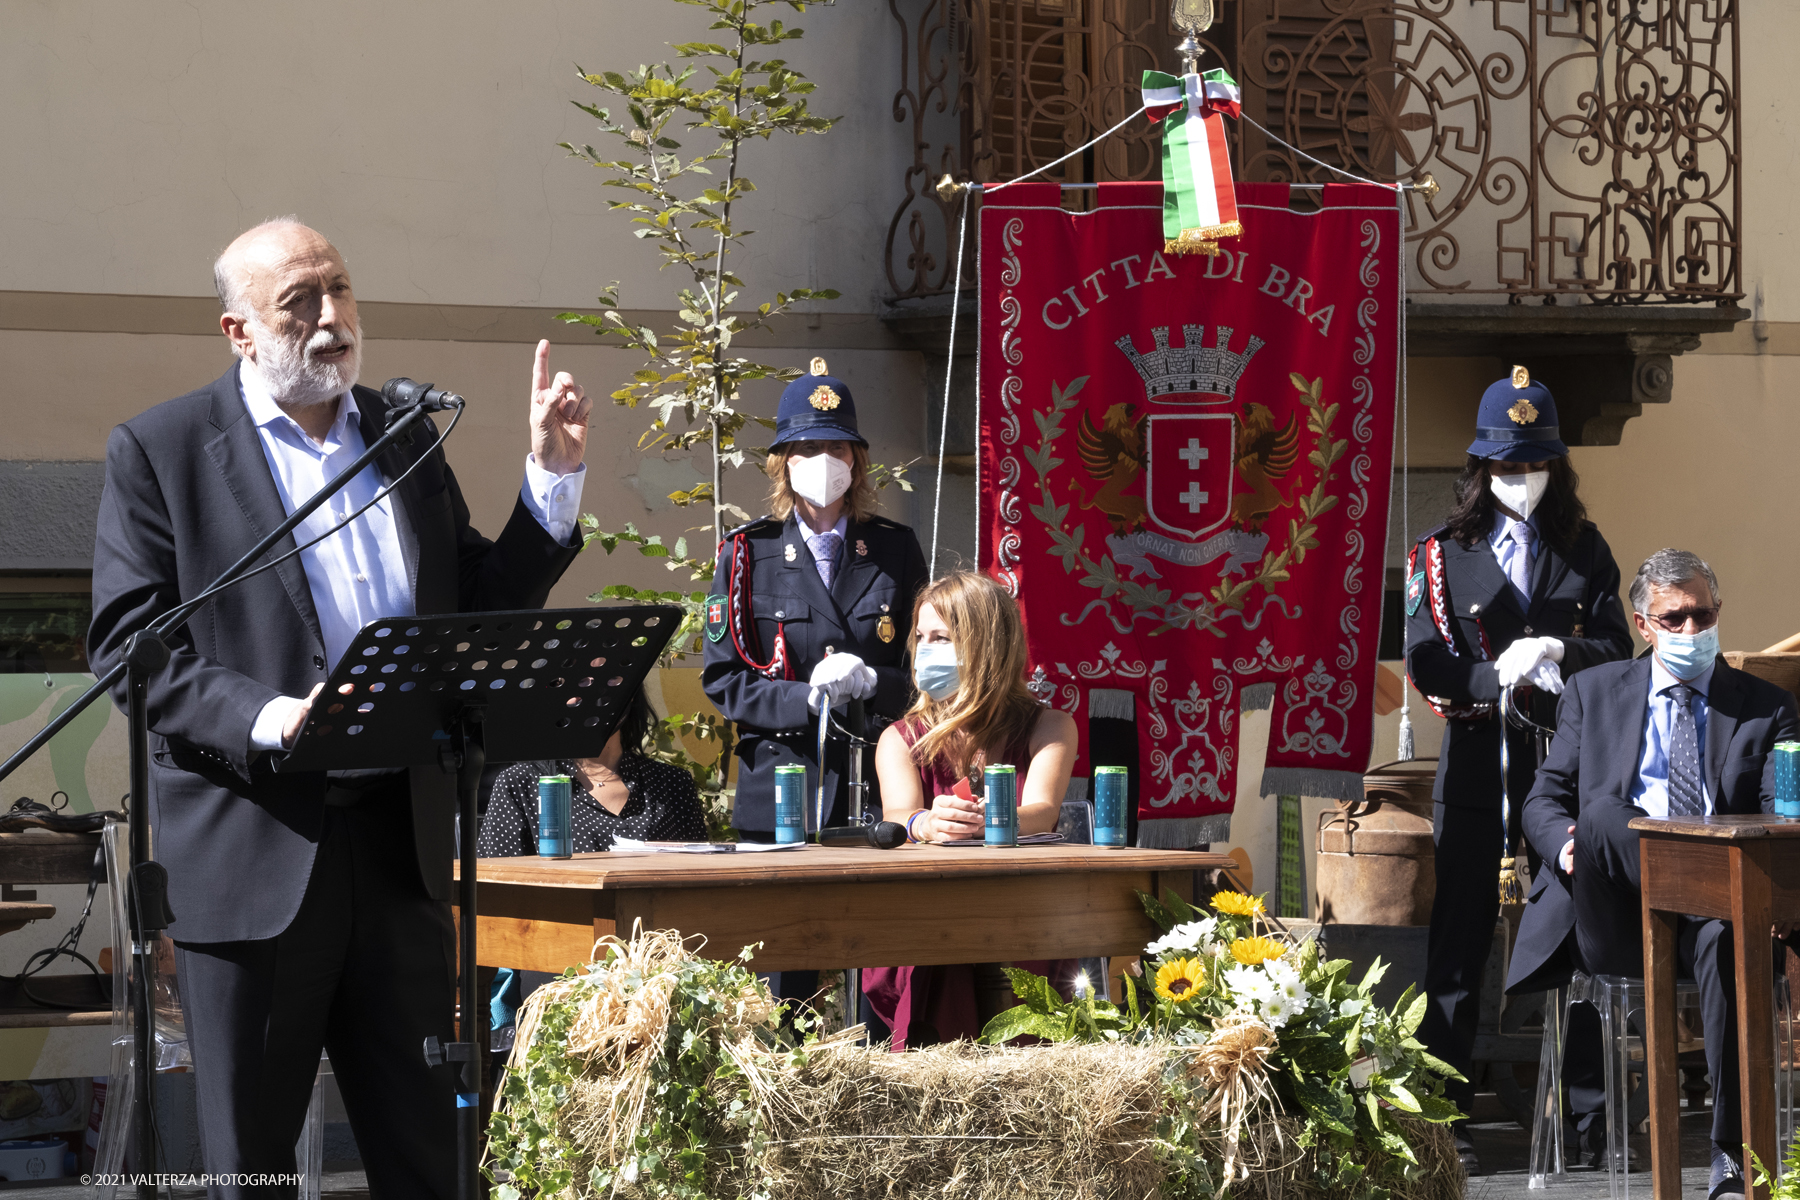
1675	732
311	910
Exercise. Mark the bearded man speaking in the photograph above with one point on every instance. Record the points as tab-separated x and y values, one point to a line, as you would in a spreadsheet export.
311	910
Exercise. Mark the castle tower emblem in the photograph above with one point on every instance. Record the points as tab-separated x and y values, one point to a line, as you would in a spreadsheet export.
1190	368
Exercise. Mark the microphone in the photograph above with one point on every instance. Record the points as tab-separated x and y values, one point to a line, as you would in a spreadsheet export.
405	393
883	835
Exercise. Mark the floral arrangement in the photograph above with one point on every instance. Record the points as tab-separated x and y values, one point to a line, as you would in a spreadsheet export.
1280	1036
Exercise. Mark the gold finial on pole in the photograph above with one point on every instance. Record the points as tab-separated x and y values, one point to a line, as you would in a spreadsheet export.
1427	187
948	189
1192	17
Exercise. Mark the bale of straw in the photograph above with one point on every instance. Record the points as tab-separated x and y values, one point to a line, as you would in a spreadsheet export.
970	1122
1278	1169
959	1121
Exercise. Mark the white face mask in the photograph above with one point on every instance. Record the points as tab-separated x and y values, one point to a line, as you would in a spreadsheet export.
1520	492
821	479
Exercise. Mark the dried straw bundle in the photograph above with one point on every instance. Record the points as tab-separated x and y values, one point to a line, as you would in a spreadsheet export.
620	1026
970	1122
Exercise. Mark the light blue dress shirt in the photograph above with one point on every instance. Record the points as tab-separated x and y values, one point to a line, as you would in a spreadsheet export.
358	574
1652	791
1506	548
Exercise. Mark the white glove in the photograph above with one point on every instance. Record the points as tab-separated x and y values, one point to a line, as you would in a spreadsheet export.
1546	676
1517	662
838	678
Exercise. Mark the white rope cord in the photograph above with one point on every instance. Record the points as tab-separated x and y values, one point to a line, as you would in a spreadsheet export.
1397	187
995	187
937	503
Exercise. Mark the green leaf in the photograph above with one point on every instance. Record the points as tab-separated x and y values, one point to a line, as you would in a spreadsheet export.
1022	1021
1397	1095
1438	1110
1034	991
1156	912
1330	1107
1415	1013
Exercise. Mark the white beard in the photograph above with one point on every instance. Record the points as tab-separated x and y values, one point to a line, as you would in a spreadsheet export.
294	376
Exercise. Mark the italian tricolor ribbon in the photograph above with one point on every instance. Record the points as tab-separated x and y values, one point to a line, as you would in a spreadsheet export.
1199	201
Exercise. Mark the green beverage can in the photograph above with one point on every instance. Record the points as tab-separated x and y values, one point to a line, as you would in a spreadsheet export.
1112	791
556	838
1787	779
1002	786
790	803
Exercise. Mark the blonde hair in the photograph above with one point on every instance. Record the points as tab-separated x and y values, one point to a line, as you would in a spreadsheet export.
859	500
991	708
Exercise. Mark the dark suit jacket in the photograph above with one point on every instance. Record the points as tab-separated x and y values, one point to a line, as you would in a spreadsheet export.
188	492
774	726
1599	743
1574	597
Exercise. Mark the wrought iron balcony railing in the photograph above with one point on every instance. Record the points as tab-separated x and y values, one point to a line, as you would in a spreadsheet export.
1587	150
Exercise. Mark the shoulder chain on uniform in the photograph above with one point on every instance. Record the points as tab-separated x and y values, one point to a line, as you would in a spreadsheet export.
1438	592
743	633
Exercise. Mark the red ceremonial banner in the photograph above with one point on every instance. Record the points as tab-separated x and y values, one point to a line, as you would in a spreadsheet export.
1184	464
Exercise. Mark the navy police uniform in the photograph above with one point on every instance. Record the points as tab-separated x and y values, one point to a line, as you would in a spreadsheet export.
866	612
1462	612
770	619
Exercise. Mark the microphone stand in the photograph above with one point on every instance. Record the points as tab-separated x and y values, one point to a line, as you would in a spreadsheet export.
147	882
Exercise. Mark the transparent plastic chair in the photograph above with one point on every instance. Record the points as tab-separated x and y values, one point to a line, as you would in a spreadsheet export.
1619	1000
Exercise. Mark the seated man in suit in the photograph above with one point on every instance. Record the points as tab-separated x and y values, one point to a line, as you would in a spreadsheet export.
1675	732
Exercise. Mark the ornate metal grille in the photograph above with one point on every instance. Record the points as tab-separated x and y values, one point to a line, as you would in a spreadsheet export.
1593	144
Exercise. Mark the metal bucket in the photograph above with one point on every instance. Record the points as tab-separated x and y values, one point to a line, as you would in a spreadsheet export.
1376	861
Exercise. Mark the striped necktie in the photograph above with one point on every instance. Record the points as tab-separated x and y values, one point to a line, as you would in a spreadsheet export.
1686	796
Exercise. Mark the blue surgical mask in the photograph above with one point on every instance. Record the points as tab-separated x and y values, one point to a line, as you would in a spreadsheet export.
1686	655
936	670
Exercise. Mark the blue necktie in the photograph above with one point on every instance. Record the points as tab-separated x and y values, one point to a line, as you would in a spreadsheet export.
1520	574
1686	795
824	549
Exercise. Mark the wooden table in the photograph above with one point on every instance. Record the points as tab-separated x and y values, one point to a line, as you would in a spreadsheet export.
41	856
828	907
1746	870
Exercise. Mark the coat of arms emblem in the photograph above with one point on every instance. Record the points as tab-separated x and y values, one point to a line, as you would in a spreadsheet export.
1212	470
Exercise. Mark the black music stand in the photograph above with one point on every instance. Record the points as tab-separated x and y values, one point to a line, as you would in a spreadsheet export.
411	691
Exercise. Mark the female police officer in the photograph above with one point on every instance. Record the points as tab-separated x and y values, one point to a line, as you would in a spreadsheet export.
1517	589
811	605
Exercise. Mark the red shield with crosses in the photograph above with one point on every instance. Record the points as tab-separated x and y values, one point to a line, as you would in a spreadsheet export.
1190	459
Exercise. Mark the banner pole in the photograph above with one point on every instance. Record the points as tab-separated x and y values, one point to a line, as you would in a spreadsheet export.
937	503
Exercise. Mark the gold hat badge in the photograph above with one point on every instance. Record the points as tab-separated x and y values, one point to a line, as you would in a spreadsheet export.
1523	411
822	398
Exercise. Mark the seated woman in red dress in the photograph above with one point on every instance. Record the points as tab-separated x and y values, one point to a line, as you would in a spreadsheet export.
972	710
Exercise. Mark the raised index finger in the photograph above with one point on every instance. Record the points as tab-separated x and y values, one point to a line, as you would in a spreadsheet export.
540	369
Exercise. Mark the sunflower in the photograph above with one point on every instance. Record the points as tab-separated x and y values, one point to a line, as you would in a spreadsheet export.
1180	979
1237	904
1253	950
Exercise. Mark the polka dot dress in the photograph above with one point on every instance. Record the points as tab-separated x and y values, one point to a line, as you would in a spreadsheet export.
661	805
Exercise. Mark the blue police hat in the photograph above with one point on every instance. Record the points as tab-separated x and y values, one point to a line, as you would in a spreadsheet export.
1517	421
816	407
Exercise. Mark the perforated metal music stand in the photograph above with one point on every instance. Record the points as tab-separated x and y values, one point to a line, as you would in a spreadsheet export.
411	691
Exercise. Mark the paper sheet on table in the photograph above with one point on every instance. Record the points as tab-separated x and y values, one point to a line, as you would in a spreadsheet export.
640	847
1025	839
